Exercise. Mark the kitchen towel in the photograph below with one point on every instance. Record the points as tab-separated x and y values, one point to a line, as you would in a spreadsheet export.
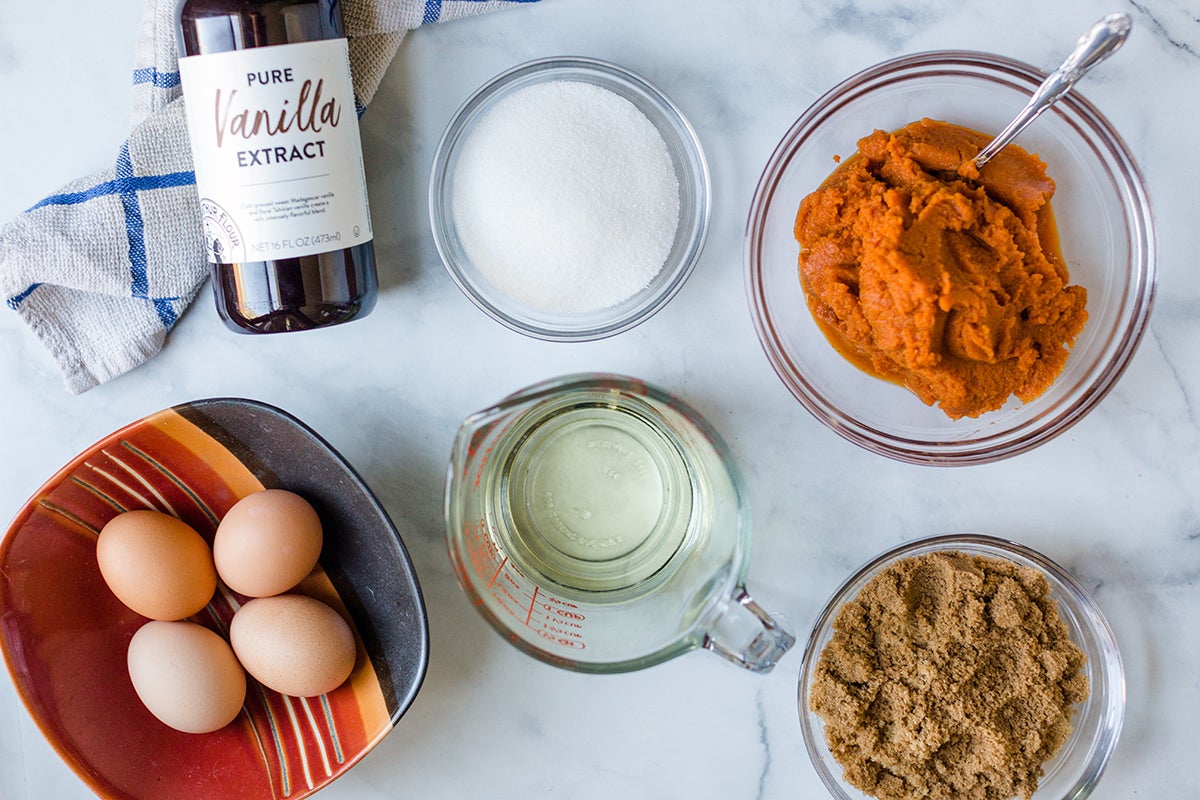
102	269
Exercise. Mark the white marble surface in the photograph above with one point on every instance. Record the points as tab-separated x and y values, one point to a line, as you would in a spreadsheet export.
1116	499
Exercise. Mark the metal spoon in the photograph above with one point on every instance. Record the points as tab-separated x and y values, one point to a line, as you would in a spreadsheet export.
1101	40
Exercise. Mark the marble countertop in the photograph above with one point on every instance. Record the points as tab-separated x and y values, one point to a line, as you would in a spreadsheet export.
1116	499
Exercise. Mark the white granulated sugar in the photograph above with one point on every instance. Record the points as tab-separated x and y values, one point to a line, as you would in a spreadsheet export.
565	198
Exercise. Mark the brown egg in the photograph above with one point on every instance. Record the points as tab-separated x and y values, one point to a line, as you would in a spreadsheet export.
156	564
186	675
267	543
293	644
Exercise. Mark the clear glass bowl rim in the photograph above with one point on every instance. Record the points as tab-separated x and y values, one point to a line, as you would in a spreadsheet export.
999	444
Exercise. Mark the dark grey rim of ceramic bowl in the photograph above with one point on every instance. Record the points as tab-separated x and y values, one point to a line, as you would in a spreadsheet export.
691	171
1106	142
1075	603
367	552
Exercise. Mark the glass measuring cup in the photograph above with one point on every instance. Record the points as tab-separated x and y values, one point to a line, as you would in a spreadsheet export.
599	525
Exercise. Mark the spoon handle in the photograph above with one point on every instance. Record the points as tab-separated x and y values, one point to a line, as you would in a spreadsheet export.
1101	40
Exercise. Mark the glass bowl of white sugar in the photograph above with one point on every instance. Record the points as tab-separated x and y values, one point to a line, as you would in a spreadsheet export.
569	199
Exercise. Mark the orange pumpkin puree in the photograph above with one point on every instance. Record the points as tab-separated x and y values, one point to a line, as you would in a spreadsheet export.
947	279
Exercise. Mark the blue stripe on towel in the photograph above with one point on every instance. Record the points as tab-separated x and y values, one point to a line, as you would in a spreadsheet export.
134	227
433	10
132	183
126	185
163	80
136	232
15	301
164	306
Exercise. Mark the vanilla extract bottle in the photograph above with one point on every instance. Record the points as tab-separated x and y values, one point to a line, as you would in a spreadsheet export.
274	132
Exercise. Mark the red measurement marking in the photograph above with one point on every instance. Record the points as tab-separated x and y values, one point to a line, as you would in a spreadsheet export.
496	574
506	593
564	613
500	601
484	555
563	641
532	602
551	621
487	454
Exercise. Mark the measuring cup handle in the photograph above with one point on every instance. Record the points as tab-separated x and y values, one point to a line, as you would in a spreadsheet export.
753	640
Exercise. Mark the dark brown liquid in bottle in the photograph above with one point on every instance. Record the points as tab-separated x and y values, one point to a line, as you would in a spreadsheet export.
289	294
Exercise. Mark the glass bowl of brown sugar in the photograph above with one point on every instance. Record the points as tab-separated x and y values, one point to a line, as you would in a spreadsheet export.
1106	241
961	664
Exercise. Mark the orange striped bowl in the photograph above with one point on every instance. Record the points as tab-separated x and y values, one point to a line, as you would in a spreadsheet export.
64	634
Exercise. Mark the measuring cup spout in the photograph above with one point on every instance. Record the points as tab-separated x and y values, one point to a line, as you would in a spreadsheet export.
748	636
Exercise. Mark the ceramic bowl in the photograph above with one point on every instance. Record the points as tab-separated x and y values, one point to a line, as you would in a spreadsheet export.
1105	229
691	170
65	635
1076	769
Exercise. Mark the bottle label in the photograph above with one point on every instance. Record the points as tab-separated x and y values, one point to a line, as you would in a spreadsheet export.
276	149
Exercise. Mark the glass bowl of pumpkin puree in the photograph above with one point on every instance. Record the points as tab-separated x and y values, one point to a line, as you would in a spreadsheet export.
961	665
912	360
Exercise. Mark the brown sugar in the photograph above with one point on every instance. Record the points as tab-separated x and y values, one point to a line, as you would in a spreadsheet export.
949	676
945	279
